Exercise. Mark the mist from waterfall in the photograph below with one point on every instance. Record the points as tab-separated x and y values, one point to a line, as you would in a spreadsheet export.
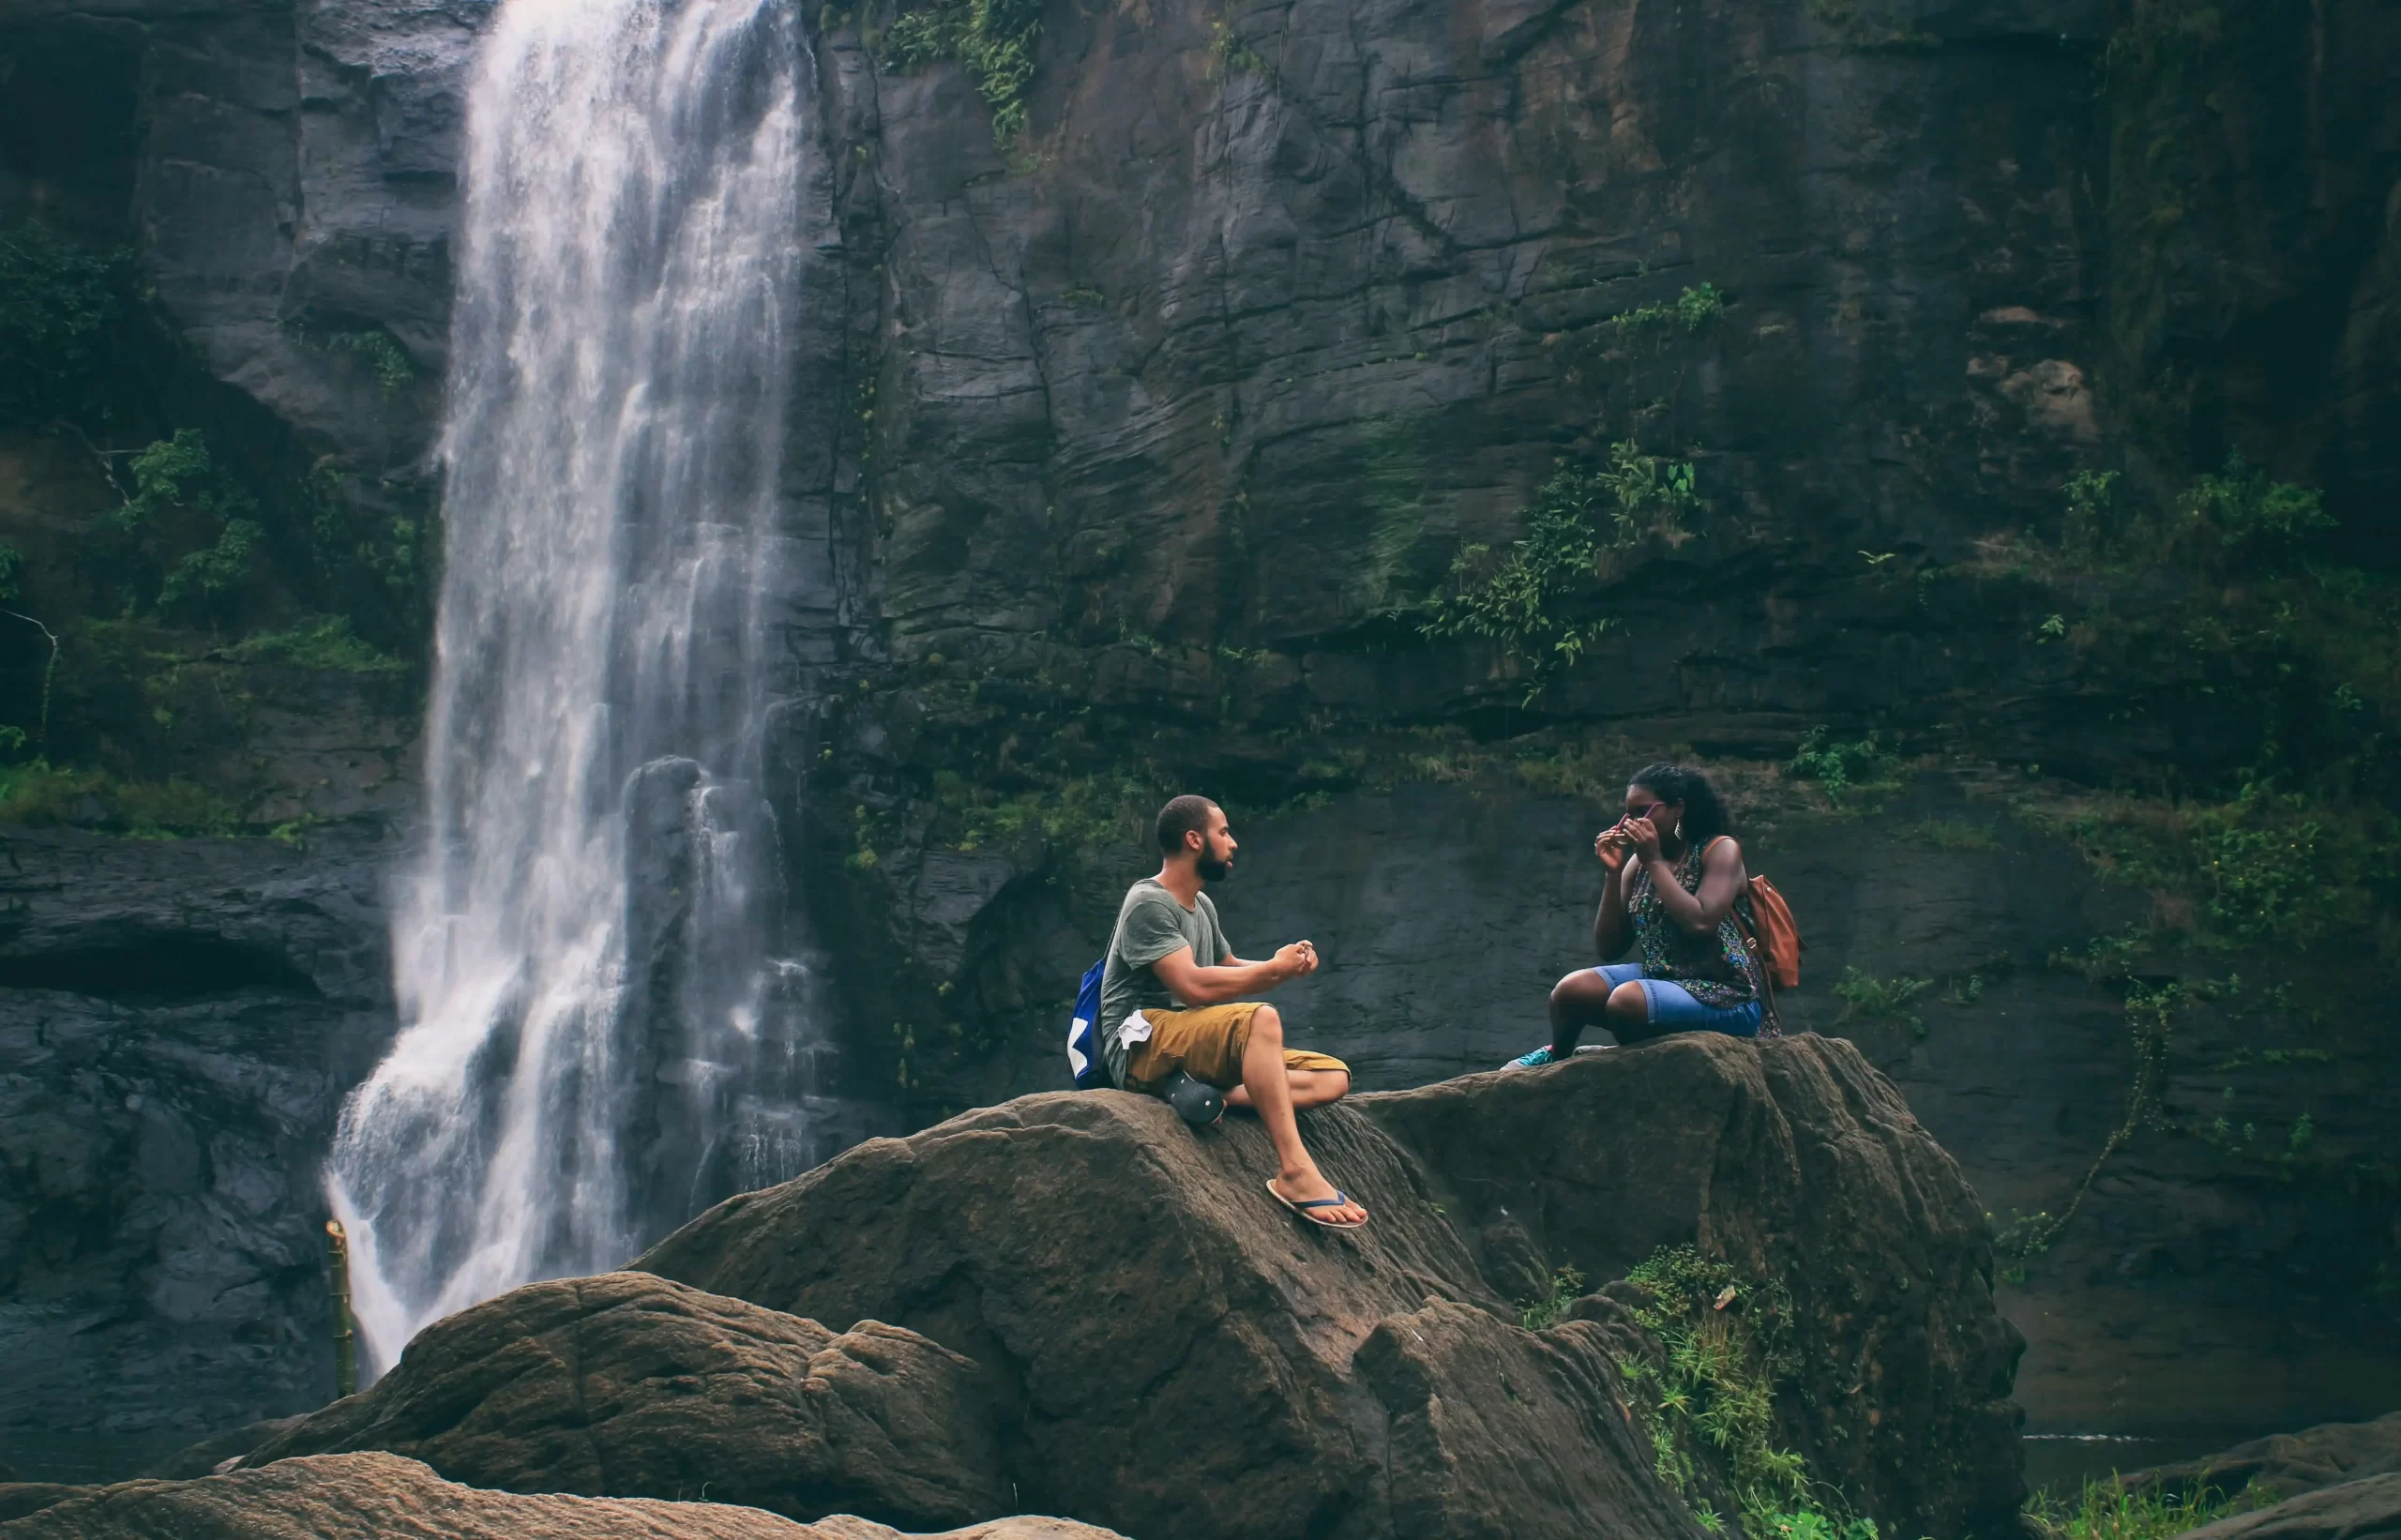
595	1035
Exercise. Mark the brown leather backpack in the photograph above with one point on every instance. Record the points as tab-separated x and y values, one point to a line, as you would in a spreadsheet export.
1775	936
1776	942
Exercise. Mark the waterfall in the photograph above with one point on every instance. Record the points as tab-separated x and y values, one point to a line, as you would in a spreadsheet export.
596	1034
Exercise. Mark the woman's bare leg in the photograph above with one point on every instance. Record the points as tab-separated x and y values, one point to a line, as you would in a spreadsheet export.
1629	1014
1577	1002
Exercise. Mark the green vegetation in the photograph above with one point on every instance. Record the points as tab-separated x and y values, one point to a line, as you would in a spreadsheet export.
2151	1016
2110	1510
993	38
1953	834
178	493
198	586
1567	1288
1842	768
1084	812
1691	311
2240	507
1708	1398
1863	994
1536	600
40	794
378	349
1230	56
58	305
324	642
2263	867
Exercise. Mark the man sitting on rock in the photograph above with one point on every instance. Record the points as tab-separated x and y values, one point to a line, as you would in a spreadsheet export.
1171	1000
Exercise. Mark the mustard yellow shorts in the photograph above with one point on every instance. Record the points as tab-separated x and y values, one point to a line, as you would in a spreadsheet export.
1206	1043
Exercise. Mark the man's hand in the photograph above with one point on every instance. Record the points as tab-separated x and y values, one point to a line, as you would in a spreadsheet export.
1296	960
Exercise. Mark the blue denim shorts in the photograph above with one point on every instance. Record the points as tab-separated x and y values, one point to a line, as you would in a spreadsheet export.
1672	1005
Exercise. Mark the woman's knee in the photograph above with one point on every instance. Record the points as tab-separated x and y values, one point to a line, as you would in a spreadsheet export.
1628	1002
1581	987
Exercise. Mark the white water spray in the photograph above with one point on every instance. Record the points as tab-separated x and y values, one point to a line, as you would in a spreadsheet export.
593	1026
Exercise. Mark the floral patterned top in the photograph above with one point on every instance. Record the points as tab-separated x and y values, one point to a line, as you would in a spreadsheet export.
1715	969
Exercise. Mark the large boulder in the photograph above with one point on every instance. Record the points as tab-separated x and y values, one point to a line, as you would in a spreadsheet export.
1177	1357
2288	1464
1799	1164
629	1385
2367	1509
385	1497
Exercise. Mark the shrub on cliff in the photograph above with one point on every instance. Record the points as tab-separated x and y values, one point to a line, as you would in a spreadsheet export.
1538	600
58	303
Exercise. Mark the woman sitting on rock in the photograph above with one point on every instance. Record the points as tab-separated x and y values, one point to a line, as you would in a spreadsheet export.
1674	874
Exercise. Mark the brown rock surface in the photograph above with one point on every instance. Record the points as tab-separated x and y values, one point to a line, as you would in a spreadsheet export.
2369	1509
20	1497
384	1497
628	1385
1181	1358
2289	1464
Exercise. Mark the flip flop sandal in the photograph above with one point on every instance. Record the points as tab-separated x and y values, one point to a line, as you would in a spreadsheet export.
1338	1201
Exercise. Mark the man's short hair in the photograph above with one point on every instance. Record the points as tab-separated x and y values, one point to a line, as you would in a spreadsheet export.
1187	814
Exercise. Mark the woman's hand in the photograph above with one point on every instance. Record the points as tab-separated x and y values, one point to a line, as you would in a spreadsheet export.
1643	836
1611	846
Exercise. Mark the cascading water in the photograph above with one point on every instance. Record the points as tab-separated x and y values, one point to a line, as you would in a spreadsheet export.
597	1036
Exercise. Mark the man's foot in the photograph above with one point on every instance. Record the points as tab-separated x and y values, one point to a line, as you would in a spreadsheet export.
1318	1200
1535	1060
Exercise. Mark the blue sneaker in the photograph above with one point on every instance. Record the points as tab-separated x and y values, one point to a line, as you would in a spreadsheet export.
1535	1060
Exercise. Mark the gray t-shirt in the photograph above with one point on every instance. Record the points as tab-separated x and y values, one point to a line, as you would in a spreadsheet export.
1151	924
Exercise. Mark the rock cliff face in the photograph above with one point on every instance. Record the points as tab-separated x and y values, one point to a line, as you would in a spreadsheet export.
178	1022
1129	446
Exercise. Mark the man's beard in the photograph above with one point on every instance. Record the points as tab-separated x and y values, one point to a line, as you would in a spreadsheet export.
1214	871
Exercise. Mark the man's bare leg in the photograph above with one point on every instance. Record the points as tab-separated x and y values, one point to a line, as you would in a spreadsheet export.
1270	1088
1309	1087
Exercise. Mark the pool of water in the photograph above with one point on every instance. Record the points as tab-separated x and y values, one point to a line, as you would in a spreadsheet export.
2064	1462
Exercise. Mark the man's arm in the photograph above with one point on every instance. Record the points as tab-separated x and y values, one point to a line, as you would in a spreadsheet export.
1234	978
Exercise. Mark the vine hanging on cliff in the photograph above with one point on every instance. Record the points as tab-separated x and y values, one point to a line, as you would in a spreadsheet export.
993	38
1525	600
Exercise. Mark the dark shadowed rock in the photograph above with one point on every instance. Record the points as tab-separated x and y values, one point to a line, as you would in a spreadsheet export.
384	1497
179	1020
1499	1432
628	1385
203	1459
20	1497
2368	1509
2288	1464
1798	1163
1182	1358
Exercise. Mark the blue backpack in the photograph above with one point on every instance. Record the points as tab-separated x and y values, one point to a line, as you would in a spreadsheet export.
1084	1058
